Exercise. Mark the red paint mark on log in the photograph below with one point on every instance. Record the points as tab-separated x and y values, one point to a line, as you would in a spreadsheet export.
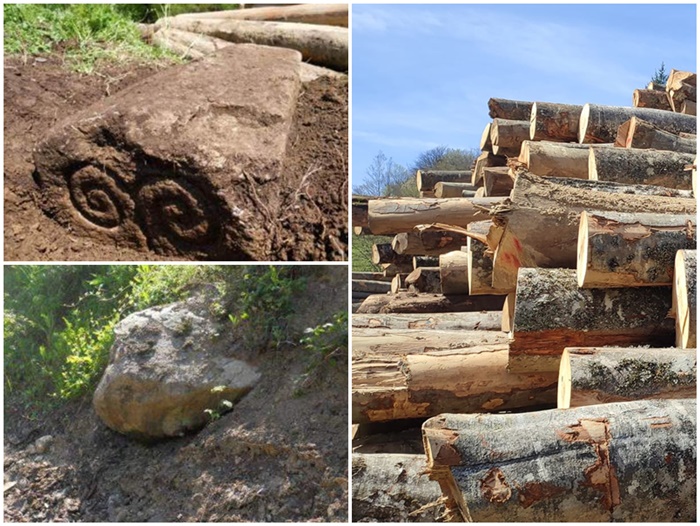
533	492
494	487
517	244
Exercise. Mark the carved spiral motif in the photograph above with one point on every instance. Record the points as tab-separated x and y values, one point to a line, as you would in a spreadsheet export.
98	198
175	215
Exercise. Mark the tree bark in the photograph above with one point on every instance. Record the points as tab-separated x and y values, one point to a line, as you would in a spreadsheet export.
685	298
427	179
552	313
599	124
453	273
480	261
424	279
600	375
427	242
554	122
647	167
425	261
540	223
359	211
648	98
484	160
637	133
392	216
391	488
443	189
628	461
382	253
468	321
372	276
631	250
514	110
689	107
375	286
556	159
321	14
321	45
406	302
509	134
498	181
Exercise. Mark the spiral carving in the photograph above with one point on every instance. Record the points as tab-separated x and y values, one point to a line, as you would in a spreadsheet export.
176	215
98	197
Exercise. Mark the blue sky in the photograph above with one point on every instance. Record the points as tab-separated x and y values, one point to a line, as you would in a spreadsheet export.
422	74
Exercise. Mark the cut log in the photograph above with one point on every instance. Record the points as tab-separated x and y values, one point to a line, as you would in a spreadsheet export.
392	488
682	92
554	122
420	385
321	45
382	253
637	133
514	110
391	269
426	194
600	123
425	261
628	461
497	181
654	86
508	313
647	167
424	279
372	276
375	286
676	78
443	189
552	313
427	242
480	261
540	223
556	159
321	14
361	231
454	278
427	179
601	375
689	107
397	283
646	98
469	321
484	160
485	142
508	135
685	298
359	211
631	250
417	303
392	216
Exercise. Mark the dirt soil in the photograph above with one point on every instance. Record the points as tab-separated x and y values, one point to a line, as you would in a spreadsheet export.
313	216
280	456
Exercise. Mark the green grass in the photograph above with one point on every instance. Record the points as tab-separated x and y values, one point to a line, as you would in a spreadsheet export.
88	35
362	252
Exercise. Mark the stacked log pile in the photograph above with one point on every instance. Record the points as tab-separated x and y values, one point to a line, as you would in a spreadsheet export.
566	391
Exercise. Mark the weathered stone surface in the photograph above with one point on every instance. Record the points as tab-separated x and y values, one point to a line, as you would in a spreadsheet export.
182	162
168	365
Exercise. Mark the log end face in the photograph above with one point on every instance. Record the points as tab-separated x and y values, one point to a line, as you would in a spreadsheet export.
564	387
583	124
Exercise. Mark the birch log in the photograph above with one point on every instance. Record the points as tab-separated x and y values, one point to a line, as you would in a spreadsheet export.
554	122
552	313
601	375
631	250
647	167
637	133
685	298
628	461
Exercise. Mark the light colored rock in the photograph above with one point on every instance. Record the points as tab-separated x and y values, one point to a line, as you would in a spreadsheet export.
170	368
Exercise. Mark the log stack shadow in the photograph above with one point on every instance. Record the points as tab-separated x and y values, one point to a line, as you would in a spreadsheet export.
558	381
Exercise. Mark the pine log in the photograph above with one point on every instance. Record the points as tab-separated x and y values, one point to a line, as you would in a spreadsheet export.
556	159
676	78
689	107
637	133
647	167
321	45
600	375
480	261
405	302
373	276
484	160
508	135
375	286
391	216
599	124
424	279
419	385
427	179
485	142
554	122
444	189
628	461
552	313
425	261
454	278
382	253
497	181
427	242
392	488
647	98
514	110
540	223
631	250
359	211
469	321
321	14
685	298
